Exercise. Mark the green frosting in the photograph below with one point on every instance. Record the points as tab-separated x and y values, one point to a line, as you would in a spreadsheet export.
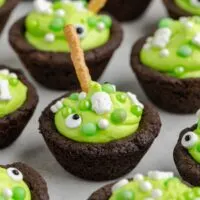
174	49
2	2
17	93
102	115
154	186
191	6
12	186
44	25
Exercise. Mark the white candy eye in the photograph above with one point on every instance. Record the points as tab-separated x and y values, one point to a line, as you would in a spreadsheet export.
195	3
81	31
73	121
15	174
189	139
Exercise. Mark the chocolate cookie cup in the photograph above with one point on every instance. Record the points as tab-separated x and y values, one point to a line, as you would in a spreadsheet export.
101	162
174	11
168	93
156	185
55	70
12	125
18	172
188	168
5	12
126	10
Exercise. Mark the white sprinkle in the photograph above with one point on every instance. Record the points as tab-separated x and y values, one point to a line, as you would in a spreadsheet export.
4	72
134	99
196	39
164	32
138	177
60	12
82	95
158	175
43	6
159	42
103	124
13	75
145	186
4	91
119	184
164	53
53	109
49	37
156	193
7	193
59	105
101	26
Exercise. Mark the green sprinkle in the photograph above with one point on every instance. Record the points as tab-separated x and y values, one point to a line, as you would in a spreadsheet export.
126	195
89	129
136	110
13	81
166	22
84	105
92	22
19	193
57	24
121	97
74	96
106	20
118	116
108	88
184	51
66	111
178	71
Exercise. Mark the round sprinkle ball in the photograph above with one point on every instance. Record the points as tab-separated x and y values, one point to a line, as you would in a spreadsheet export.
126	195
118	116
184	51
89	129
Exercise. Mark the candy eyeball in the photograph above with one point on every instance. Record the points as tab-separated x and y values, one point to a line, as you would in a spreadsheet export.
14	174
81	30
195	3
73	121
189	139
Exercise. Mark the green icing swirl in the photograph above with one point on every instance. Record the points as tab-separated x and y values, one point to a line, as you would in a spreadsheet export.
18	92
44	27
191	6
165	189
175	48
2	2
19	188
120	120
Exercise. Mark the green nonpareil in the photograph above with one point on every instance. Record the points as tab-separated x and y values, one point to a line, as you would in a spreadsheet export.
174	49
44	25
100	116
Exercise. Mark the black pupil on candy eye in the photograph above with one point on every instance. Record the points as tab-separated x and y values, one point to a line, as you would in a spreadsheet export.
75	116
79	30
187	138
15	172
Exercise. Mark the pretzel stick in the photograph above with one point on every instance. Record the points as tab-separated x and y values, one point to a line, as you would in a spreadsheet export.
96	5
77	56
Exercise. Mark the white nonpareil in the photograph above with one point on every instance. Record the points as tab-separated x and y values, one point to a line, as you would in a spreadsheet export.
43	6
158	175
101	103
4	91
134	99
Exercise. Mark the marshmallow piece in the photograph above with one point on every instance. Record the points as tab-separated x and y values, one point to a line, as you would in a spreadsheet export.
134	99
145	186
164	53
119	184
4	90
43	6
158	175
4	72
58	105
101	103
49	37
156	193
138	177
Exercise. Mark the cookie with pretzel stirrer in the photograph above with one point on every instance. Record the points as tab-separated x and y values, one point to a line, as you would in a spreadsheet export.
77	56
